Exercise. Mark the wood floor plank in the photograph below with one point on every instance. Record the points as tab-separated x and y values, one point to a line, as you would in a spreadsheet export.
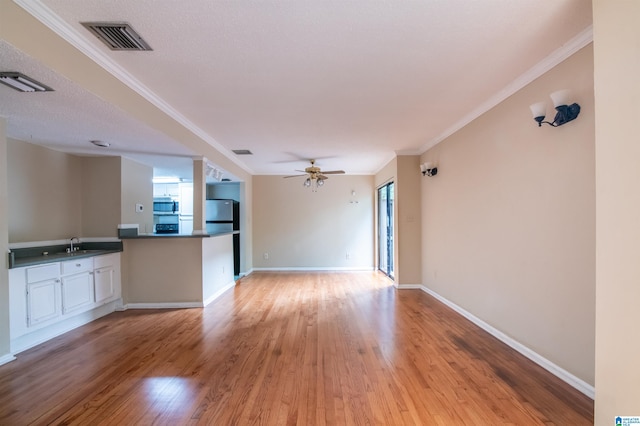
287	349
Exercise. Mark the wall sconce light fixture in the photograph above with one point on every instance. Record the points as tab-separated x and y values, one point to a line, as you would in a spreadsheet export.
564	114
428	169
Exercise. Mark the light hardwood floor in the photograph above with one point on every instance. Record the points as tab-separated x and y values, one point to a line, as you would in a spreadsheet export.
284	349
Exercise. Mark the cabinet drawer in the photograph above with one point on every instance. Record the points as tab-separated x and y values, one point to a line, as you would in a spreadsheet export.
76	266
42	273
104	260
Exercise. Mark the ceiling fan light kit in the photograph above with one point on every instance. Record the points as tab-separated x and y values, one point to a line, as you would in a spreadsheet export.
315	176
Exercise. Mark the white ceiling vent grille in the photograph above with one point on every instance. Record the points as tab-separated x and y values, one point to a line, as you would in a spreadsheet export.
117	35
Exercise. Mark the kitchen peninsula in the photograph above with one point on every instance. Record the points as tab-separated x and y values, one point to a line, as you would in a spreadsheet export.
176	271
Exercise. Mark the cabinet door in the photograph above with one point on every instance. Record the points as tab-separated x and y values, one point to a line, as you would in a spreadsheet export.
103	283
77	292
43	301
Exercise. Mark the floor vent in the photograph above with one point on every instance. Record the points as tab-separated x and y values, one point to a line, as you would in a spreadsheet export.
117	35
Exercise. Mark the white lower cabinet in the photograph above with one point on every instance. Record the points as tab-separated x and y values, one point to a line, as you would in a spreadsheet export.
106	278
77	292
77	285
104	284
43	301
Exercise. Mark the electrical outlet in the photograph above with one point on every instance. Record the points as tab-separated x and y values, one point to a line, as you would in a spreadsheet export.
139	208
266	256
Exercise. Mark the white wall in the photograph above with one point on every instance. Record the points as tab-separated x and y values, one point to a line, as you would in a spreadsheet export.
617	94
217	265
509	221
302	229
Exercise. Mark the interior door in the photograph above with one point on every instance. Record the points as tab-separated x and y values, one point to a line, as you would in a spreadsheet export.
385	228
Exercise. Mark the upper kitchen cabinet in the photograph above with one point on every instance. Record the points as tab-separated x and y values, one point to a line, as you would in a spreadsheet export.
166	190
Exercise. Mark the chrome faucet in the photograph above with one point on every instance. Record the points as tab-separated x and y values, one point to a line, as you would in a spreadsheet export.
71	246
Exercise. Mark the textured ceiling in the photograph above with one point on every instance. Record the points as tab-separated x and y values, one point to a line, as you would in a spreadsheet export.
350	83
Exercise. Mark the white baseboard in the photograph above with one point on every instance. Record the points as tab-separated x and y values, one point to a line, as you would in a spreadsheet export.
552	368
316	268
219	293
27	341
408	286
6	358
163	305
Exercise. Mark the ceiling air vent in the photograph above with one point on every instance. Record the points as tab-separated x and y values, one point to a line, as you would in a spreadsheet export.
242	152
117	35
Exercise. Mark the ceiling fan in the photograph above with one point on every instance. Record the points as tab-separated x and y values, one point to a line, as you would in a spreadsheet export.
315	176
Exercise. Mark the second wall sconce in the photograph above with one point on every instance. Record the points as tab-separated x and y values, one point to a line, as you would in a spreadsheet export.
428	169
564	114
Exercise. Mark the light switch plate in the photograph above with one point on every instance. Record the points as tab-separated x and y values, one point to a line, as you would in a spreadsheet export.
139	208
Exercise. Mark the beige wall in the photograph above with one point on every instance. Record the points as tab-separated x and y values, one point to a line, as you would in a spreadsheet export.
408	220
101	202
299	228
176	270
4	246
162	270
45	189
617	67
137	187
55	196
246	226
508	224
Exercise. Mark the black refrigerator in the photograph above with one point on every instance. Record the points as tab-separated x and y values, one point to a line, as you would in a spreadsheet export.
223	216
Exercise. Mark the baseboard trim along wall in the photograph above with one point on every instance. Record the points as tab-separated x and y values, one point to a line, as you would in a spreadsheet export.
6	358
219	293
552	368
167	305
42	335
316	268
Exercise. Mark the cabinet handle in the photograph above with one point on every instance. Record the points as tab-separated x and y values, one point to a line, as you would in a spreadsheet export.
97	272
57	281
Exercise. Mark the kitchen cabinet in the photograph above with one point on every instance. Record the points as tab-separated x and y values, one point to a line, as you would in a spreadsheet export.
43	301
48	299
103	282
42	288
106	278
166	190
77	285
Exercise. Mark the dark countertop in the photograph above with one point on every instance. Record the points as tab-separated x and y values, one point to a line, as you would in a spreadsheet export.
35	255
151	236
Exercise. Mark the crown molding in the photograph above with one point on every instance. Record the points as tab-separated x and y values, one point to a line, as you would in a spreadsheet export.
47	17
555	58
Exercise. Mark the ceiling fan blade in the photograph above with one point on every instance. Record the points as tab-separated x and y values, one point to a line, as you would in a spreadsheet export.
321	176
293	176
333	172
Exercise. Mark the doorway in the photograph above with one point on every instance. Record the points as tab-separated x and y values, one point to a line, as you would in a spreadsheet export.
385	228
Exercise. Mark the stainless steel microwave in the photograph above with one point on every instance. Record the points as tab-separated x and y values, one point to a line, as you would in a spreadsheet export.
165	206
